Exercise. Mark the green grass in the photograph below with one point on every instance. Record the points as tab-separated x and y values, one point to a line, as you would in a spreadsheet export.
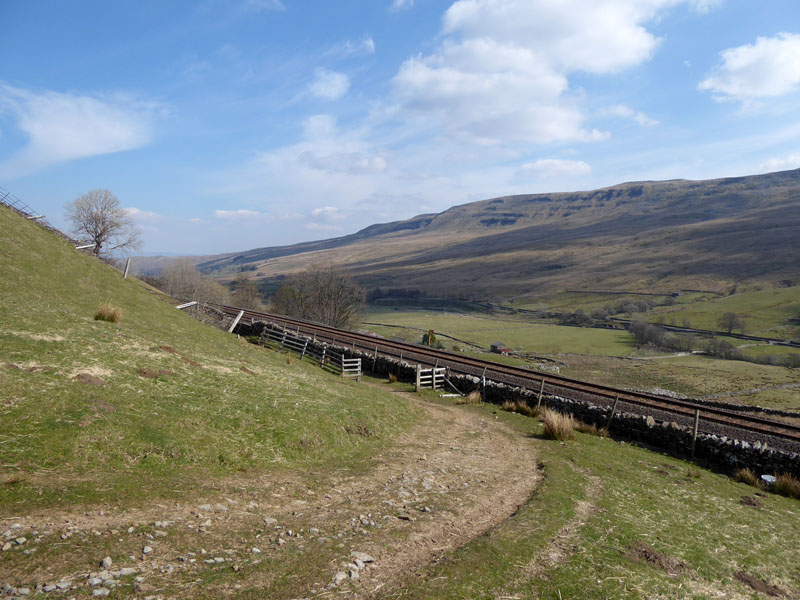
766	313
515	333
157	404
688	514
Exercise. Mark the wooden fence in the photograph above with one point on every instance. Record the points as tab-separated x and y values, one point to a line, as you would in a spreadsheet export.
431	378
323	354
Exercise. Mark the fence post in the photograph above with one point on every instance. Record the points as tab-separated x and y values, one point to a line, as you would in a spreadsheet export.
375	359
419	376
322	360
127	266
303	353
541	391
696	427
613	410
283	339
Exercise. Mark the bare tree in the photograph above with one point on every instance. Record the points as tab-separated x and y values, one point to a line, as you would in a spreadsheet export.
98	216
321	293
245	293
181	280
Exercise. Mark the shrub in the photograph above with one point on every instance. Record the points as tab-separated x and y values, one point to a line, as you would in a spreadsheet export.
108	312
392	378
747	476
787	485
474	397
558	426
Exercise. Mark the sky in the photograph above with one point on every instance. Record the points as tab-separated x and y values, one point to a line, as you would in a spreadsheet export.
225	125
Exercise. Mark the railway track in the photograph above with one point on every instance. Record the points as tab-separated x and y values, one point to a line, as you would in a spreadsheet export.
720	421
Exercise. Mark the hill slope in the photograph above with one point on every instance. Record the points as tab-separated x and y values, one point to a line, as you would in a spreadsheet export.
654	235
157	404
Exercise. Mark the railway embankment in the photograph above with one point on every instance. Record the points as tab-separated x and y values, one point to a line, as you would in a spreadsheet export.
657	430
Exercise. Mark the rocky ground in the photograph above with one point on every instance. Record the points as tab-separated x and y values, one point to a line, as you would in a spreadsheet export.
354	532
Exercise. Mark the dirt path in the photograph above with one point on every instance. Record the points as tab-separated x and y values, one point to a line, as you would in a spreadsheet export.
449	479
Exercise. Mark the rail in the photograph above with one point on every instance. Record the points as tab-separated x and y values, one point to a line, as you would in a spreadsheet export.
680	410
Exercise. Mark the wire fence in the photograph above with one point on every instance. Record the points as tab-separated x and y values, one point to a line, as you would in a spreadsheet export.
14	203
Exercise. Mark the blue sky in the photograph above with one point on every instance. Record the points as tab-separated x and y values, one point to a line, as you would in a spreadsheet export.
224	125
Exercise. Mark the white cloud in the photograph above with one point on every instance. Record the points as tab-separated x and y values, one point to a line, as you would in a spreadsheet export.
767	68
556	167
401	4
65	126
329	85
241	213
792	161
349	48
319	126
328	211
705	6
501	72
626	112
343	162
142	215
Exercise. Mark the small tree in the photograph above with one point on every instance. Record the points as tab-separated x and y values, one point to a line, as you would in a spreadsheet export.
321	293
730	321
98	216
181	280
245	293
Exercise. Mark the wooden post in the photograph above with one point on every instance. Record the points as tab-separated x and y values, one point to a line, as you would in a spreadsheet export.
613	410
127	266
322	360
375	359
303	353
419	376
483	387
696	427
283	339
541	392
401	356
235	321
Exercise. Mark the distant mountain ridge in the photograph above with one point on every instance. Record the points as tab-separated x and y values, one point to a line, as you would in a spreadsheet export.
719	232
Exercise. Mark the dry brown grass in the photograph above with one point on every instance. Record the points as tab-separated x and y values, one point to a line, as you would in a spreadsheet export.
591	429
474	397
749	477
558	426
108	312
787	485
392	378
519	406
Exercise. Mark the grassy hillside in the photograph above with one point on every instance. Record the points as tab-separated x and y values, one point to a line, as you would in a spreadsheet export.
204	467
157	404
645	236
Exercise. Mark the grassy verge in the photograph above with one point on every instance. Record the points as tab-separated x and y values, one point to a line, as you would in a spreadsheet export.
615	521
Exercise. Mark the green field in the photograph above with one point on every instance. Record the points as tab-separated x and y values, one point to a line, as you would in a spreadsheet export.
605	356
516	334
766	313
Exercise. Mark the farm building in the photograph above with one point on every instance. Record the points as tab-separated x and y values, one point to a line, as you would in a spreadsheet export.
500	348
